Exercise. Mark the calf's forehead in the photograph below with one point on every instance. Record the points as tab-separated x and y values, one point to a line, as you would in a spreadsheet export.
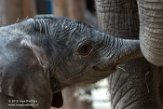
62	22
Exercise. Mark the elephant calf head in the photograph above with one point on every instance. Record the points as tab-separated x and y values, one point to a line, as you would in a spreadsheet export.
42	55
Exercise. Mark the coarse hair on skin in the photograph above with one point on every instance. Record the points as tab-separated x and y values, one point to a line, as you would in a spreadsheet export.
48	24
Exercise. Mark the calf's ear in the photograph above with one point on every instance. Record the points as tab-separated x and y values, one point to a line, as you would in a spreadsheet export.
31	86
37	51
24	79
57	99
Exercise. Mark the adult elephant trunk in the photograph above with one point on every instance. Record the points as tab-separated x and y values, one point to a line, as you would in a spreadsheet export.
151	30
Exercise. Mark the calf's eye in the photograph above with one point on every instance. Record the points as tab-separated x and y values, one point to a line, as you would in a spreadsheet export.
84	49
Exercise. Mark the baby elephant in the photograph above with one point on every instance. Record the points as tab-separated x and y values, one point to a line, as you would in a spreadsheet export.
42	55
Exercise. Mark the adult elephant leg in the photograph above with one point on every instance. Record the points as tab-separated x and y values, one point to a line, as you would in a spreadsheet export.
151	33
151	30
133	85
118	17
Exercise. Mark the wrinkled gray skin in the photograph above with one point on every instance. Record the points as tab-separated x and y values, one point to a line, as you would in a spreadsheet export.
40	56
135	85
151	30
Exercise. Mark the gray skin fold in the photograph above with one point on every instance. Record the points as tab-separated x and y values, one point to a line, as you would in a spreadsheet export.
151	30
42	55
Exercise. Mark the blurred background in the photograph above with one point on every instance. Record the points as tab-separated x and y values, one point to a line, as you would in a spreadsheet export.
94	96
